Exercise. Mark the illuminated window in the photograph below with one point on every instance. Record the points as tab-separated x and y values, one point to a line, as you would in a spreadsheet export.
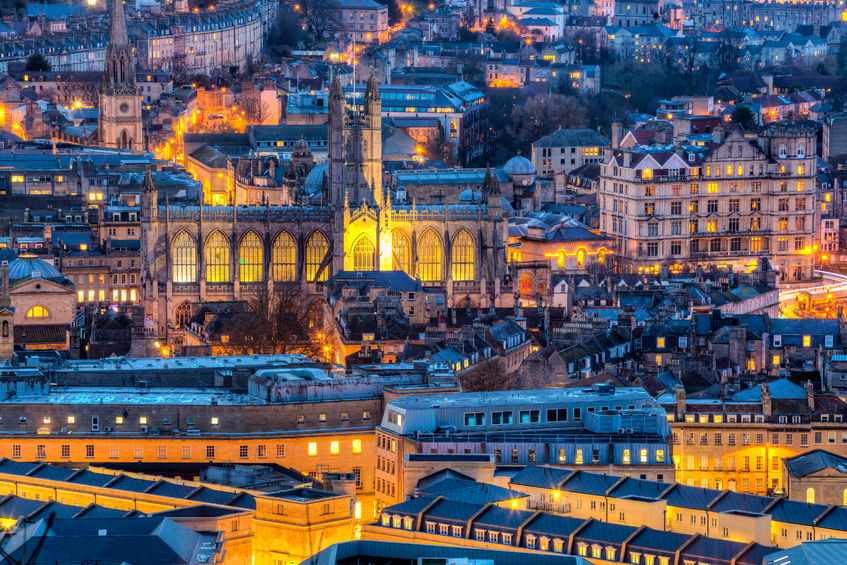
142	420
642	455
250	258
80	296
184	258
313	448
214	420
357	446
316	250
363	254
776	359
712	188
17	178
810	495
658	359
660	342
400	252
46	419
71	419
284	257
807	341
38	312
333	448
429	253
626	457
217	258
660	456
463	257
119	420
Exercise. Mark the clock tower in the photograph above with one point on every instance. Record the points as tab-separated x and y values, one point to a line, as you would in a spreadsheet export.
120	99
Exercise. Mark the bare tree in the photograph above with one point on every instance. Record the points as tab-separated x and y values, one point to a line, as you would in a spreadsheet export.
321	16
283	321
488	375
541	115
255	110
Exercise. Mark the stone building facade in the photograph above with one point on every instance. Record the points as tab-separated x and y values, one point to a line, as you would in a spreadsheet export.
727	202
196	254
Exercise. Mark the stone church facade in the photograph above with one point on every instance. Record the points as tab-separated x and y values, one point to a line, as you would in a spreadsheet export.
200	254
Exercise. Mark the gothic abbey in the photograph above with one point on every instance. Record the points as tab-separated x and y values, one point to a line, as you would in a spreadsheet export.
199	254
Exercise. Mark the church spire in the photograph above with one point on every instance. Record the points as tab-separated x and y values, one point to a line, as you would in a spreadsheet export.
118	36
120	70
372	89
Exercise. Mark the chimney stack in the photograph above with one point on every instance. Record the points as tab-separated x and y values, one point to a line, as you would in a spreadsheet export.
617	134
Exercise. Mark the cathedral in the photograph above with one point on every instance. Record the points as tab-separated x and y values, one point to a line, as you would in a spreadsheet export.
119	122
196	254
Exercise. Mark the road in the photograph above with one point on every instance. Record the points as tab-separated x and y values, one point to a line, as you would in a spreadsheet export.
831	282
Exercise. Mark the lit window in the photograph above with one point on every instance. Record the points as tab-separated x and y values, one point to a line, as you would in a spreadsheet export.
71	419
142	420
660	342
313	448
119	420
38	312
333	448
357	446
46	419
658	359
807	341
214	420
776	359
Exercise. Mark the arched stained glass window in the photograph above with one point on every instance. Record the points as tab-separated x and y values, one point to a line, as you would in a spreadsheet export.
217	258
429	255
184	258
284	257
316	248
363	254
250	256
463	257
400	252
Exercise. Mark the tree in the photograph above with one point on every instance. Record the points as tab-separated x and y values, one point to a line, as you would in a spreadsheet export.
256	111
471	64
286	33
321	16
38	62
541	115
395	14
281	322
742	114
488	375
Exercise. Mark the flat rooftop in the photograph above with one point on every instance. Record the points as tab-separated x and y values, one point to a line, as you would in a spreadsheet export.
520	397
135	396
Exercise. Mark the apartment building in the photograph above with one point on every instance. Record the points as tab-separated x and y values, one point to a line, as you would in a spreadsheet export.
679	509
282	527
738	441
443	521
194	409
366	21
567	149
726	200
605	428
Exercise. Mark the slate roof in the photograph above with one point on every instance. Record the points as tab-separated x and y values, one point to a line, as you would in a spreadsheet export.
810	553
572	137
814	461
